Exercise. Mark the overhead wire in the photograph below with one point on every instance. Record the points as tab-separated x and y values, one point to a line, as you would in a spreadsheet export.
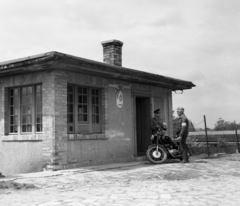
198	123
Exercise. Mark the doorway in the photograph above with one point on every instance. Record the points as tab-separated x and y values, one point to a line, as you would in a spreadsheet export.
143	118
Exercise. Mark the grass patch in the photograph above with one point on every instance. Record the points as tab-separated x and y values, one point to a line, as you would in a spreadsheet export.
16	186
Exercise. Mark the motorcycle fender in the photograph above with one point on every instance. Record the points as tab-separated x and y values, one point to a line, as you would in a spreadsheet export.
152	145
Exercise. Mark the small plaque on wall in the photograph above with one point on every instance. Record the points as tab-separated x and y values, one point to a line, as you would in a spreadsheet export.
119	99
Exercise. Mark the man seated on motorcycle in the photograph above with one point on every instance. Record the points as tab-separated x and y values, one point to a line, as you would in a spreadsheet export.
156	124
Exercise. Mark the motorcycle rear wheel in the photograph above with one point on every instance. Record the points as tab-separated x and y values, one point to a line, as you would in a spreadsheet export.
156	157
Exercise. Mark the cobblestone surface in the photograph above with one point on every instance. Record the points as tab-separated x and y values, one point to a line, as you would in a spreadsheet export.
209	182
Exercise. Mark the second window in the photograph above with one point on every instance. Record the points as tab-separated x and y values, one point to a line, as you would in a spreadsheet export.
84	109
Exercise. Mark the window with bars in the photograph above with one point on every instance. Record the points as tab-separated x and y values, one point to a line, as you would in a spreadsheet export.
84	109
25	112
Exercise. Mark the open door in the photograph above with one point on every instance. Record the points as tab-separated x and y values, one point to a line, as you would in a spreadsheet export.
159	104
143	119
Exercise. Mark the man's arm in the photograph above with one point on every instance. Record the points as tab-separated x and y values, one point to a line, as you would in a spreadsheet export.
164	126
153	124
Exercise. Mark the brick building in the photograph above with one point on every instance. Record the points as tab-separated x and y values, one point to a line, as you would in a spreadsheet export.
60	111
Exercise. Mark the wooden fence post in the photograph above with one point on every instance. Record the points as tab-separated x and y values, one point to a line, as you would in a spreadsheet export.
206	134
237	144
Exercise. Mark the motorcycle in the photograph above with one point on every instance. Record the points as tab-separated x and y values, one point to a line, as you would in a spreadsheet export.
163	148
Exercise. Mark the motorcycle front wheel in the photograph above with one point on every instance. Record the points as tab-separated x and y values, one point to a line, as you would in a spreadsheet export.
156	157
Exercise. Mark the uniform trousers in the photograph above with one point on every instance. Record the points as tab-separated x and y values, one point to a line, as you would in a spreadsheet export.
184	148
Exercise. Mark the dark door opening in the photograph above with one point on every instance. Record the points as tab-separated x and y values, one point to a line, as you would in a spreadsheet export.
143	118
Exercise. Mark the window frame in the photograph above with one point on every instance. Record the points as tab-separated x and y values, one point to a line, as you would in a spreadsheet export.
33	107
89	123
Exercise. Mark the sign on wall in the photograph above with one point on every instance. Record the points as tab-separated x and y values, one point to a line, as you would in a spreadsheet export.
119	99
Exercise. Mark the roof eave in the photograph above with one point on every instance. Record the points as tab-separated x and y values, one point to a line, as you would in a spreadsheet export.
51	60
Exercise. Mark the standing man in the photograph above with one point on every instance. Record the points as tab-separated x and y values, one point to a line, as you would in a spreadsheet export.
157	123
182	133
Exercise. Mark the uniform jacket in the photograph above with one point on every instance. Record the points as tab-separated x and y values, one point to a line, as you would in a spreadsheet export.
183	124
156	123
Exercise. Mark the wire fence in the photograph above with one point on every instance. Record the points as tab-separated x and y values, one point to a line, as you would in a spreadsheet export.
206	135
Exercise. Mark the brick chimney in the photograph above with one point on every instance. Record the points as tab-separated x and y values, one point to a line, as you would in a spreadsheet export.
112	52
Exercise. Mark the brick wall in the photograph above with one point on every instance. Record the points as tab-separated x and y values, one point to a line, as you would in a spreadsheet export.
19	160
54	138
60	132
170	126
111	144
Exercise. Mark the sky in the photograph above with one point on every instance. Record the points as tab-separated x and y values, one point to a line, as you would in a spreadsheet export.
197	41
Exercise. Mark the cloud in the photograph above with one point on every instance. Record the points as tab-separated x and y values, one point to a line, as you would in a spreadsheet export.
196	76
196	41
221	8
172	18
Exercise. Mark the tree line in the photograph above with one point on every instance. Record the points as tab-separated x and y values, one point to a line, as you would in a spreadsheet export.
220	125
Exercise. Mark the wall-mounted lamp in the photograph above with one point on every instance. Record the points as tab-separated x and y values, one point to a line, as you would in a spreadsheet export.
178	91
